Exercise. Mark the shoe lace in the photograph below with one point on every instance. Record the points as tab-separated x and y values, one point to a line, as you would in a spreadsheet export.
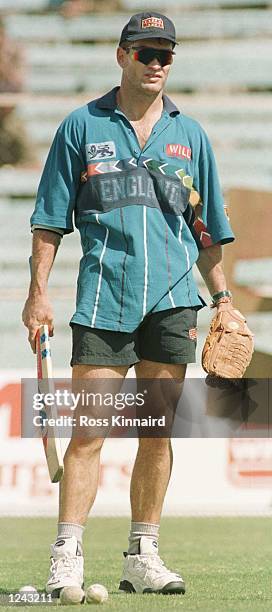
156	564
65	566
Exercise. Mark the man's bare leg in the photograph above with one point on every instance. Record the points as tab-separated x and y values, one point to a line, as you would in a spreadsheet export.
79	485
152	468
143	569
82	458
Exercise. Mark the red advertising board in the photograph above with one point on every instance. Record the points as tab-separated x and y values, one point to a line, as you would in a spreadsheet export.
250	461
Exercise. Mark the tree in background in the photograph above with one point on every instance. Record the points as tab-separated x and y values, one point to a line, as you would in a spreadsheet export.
14	143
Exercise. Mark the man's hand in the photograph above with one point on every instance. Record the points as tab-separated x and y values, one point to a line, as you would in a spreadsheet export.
37	311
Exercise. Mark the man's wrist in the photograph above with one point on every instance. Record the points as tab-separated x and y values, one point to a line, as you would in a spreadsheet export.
37	290
221	297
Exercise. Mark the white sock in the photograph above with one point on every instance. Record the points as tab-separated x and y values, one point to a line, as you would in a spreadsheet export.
68	530
138	530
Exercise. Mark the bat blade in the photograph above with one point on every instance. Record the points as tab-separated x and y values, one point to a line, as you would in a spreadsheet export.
50	434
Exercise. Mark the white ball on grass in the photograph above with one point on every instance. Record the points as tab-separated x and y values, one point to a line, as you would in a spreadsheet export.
28	589
96	594
70	595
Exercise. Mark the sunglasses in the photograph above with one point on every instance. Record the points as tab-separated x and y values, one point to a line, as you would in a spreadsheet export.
145	55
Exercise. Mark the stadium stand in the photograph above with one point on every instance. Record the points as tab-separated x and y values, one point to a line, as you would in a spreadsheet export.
133	5
95	28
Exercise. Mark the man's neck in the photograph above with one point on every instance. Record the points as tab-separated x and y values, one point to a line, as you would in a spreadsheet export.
139	105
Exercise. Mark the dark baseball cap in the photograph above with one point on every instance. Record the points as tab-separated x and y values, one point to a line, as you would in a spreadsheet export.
148	25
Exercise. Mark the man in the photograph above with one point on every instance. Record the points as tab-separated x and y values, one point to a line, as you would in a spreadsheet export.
126	165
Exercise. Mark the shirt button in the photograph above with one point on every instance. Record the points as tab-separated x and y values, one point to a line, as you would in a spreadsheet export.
136	152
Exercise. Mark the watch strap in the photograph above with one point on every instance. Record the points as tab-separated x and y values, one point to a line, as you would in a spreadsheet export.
221	294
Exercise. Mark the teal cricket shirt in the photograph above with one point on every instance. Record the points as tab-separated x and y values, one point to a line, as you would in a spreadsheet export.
129	205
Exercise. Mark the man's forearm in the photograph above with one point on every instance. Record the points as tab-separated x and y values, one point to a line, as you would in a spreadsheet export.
209	264
37	310
44	249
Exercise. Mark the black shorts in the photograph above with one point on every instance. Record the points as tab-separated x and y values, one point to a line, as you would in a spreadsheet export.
168	336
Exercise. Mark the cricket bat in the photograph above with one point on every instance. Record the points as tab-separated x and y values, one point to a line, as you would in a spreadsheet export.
50	433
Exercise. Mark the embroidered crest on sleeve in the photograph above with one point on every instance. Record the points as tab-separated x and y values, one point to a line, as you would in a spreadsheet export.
100	150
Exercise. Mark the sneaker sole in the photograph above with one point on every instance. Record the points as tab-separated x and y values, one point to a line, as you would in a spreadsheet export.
173	588
56	593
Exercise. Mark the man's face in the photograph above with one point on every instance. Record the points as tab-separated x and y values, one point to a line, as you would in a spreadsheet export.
148	78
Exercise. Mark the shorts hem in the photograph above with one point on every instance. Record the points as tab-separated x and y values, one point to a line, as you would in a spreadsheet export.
175	359
106	361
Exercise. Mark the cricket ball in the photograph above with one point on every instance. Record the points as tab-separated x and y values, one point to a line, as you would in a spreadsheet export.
71	595
96	594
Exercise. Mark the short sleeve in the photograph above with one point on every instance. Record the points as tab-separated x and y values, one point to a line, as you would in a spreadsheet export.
211	224
60	180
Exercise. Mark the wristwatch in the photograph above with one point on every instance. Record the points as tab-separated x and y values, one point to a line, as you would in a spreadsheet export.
221	294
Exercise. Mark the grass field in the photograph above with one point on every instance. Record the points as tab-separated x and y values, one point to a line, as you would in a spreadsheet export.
226	562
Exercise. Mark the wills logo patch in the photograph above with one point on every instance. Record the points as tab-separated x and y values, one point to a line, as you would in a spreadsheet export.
152	22
100	150
193	333
178	150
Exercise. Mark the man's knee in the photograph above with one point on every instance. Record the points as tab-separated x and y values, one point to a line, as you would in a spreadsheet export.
85	446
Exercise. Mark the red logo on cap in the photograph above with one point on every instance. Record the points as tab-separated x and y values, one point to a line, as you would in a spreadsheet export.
178	150
153	22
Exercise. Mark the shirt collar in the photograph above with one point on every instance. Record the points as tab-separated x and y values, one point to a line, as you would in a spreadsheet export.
169	106
108	101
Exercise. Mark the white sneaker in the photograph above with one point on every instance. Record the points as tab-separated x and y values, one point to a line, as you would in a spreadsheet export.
66	566
146	572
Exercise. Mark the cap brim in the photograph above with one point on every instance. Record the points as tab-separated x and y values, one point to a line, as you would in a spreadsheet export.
150	35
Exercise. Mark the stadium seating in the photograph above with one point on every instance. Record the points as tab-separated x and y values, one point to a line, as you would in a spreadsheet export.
206	66
36	6
96	28
133	5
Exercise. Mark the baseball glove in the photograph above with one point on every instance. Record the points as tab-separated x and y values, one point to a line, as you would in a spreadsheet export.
229	346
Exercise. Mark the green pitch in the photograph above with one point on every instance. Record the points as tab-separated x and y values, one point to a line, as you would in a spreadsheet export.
226	562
